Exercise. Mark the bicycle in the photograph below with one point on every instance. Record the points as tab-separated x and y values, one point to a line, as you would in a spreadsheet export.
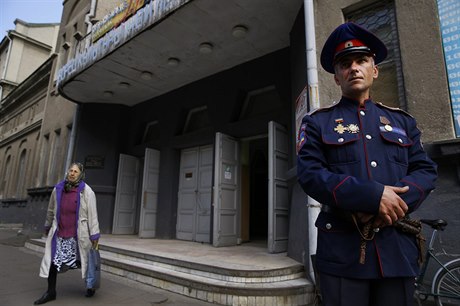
445	288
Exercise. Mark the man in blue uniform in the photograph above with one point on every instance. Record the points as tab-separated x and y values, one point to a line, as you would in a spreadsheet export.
364	162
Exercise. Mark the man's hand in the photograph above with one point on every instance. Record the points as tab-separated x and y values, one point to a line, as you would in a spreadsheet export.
363	217
392	207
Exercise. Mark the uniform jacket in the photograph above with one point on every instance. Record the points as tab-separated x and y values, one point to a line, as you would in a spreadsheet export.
347	154
87	225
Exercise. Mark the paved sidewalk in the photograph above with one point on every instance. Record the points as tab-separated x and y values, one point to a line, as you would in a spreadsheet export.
21	284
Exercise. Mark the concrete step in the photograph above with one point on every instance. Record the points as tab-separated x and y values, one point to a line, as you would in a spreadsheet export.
283	286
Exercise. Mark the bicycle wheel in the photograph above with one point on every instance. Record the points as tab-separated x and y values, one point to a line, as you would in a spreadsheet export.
447	285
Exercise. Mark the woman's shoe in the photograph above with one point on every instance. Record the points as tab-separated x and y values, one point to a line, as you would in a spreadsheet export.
90	292
46	297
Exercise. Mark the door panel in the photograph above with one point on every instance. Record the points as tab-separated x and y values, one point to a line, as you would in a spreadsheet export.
203	213
124	217
186	195
194	197
149	204
226	191
278	193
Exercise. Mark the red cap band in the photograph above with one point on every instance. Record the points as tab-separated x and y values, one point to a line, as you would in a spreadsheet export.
348	44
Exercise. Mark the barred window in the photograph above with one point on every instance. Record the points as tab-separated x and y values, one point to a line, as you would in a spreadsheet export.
379	18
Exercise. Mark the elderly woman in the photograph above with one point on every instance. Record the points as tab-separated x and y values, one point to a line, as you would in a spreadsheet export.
72	228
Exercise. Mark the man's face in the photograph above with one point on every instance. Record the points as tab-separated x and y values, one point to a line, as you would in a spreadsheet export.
73	174
355	73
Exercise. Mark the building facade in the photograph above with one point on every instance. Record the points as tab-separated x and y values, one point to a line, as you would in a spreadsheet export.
187	110
23	50
26	60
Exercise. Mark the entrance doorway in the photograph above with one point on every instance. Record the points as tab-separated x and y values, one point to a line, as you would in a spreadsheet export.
251	197
236	188
254	189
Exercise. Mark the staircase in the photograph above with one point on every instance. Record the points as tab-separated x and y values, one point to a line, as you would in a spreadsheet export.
215	284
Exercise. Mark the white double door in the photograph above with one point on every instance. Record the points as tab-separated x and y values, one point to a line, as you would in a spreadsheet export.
209	177
209	189
128	195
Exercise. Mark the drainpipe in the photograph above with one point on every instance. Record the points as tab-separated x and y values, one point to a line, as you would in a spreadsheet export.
312	78
73	134
6	63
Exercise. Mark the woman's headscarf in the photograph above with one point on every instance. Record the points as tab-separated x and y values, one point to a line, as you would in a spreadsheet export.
69	185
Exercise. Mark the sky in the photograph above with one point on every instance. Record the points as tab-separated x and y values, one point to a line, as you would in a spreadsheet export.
32	11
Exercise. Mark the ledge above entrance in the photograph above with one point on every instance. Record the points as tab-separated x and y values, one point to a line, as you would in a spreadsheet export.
191	41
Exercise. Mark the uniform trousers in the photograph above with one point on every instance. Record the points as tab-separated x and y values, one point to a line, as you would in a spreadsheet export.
342	291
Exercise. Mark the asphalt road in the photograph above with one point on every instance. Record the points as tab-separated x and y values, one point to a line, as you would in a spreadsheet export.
21	285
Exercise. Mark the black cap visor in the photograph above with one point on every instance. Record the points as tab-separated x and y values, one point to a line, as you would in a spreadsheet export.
361	49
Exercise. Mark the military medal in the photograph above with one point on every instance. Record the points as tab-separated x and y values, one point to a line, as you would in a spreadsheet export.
353	128
340	128
384	120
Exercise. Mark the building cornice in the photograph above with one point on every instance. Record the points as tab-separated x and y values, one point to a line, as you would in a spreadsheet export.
6	139
29	84
33	41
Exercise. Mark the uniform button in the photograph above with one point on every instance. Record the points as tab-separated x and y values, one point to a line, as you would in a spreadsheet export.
328	226
368	136
362	113
400	140
373	164
340	140
376	230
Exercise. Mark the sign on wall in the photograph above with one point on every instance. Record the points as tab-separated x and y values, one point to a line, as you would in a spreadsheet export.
449	17
140	17
112	20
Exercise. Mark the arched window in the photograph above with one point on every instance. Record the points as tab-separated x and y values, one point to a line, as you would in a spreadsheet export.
5	175
20	185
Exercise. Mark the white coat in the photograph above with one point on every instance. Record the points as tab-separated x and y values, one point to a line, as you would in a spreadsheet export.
87	225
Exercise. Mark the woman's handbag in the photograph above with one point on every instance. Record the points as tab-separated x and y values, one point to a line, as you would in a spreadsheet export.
93	275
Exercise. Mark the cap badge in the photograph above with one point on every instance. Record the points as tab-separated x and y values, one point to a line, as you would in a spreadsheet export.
349	44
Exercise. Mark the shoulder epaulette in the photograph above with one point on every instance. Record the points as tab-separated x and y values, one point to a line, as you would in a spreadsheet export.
319	109
397	109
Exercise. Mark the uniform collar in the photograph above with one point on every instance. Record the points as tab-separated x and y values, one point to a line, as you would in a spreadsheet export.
354	103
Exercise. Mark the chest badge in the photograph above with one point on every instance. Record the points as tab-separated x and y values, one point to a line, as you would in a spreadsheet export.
387	124
384	120
353	128
340	128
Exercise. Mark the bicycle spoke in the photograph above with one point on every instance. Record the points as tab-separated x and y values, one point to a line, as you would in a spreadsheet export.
447	286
